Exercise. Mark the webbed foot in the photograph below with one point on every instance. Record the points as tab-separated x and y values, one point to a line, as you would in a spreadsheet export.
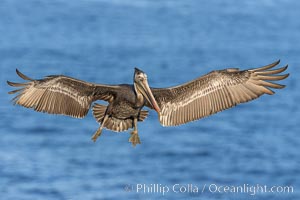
134	138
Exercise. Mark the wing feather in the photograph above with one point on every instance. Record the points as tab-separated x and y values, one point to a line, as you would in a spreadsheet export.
57	94
214	92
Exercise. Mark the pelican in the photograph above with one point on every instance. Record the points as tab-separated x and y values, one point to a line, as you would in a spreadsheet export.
204	96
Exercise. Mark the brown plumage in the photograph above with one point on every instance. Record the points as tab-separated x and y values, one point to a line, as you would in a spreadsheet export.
60	94
206	95
116	124
214	92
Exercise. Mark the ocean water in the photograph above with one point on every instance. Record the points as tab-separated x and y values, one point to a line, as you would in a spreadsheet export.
249	147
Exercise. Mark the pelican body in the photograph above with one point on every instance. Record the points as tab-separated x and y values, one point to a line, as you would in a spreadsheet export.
126	109
204	96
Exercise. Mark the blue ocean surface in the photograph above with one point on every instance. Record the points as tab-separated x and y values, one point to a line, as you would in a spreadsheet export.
249	152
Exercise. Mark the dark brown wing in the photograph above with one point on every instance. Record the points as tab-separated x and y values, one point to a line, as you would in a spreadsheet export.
60	94
215	92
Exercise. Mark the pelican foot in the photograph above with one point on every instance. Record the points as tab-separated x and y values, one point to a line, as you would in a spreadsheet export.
134	138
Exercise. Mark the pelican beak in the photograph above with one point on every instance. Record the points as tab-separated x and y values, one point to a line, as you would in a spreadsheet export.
147	93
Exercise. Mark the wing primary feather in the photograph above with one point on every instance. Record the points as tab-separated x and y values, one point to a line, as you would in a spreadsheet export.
272	78
249	92
15	91
266	67
23	76
274	71
272	85
17	84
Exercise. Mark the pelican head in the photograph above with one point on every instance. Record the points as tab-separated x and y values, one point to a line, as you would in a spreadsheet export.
142	87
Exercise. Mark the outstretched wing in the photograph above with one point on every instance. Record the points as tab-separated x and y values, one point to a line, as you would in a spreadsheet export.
59	94
214	92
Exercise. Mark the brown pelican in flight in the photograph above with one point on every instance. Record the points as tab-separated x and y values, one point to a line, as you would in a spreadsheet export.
204	96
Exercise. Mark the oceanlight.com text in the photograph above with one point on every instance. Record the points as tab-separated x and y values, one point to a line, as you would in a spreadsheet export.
212	188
